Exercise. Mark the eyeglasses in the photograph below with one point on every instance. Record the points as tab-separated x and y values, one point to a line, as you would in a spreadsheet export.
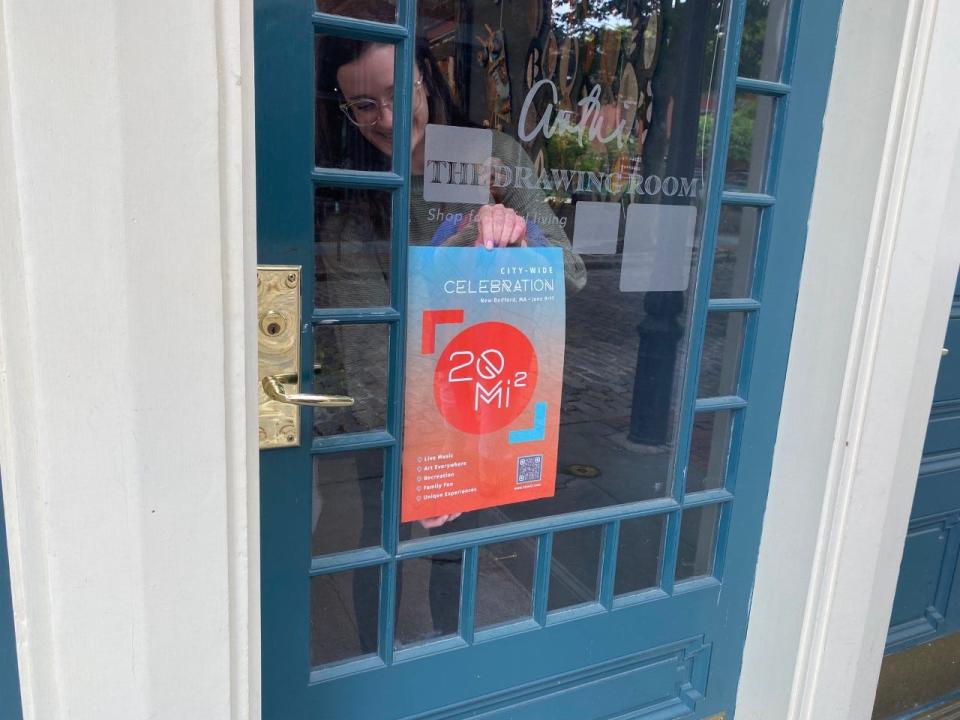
367	112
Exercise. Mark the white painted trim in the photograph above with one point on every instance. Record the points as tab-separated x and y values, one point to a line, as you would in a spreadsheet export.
238	180
127	292
838	507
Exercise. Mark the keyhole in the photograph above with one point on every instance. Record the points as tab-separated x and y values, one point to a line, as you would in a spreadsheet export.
273	324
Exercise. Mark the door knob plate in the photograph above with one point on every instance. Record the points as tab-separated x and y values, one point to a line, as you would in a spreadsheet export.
278	333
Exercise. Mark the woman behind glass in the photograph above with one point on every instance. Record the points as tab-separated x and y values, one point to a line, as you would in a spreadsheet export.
357	132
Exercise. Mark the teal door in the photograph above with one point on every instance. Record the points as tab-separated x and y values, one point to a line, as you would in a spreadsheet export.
9	673
927	602
668	150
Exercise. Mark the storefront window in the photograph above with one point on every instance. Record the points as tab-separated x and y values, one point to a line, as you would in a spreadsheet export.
585	129
597	120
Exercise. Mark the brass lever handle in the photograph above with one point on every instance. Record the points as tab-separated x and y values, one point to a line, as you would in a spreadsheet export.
273	387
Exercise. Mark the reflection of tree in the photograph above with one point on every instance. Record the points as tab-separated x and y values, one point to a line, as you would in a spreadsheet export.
609	37
754	36
581	19
741	131
714	38
564	150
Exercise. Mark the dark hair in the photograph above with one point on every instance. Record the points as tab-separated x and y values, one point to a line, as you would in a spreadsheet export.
339	142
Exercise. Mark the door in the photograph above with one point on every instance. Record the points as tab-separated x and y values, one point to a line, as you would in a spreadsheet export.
9	672
923	645
663	154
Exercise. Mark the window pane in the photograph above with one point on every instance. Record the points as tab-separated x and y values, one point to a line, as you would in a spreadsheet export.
722	348
709	450
735	253
574	567
698	532
639	554
428	590
347	499
761	48
352	248
354	112
343	615
351	360
748	154
505	582
623	201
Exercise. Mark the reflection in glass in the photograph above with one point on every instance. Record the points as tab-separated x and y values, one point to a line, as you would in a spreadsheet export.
761	47
575	567
352	246
341	80
709	450
343	615
505	582
735	252
347	500
646	76
722	348
428	591
698	532
639	554
748	154
351	360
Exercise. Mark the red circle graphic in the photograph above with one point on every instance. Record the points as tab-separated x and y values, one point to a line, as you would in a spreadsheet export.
485	377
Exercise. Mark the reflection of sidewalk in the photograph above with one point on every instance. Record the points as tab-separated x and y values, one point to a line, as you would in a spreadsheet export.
601	350
598	394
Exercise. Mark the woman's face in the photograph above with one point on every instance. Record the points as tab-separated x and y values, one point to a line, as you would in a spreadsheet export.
370	77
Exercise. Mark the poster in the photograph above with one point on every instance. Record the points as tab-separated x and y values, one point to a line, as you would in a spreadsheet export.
485	345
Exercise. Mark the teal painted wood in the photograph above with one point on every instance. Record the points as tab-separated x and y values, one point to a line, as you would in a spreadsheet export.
808	64
284	41
341	26
696	628
9	674
927	601
762	87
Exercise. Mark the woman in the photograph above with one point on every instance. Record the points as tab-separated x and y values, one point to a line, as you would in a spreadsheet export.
360	75
354	269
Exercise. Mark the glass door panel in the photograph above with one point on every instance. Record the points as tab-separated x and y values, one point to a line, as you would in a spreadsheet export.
613	133
599	132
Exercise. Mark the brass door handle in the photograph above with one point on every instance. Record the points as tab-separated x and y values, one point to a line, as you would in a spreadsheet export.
273	387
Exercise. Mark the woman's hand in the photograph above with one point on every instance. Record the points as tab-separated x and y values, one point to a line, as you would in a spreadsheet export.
499	226
435	522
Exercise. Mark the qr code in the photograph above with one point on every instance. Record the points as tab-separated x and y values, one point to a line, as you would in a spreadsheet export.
529	468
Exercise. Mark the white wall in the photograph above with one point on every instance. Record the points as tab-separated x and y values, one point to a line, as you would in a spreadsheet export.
126	259
880	267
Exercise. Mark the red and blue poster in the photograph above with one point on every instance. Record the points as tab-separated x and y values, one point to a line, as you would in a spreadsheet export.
484	374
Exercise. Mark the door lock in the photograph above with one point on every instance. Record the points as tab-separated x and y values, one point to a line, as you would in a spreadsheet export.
278	361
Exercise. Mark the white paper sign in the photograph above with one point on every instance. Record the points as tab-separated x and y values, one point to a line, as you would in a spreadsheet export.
454	168
596	227
657	247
